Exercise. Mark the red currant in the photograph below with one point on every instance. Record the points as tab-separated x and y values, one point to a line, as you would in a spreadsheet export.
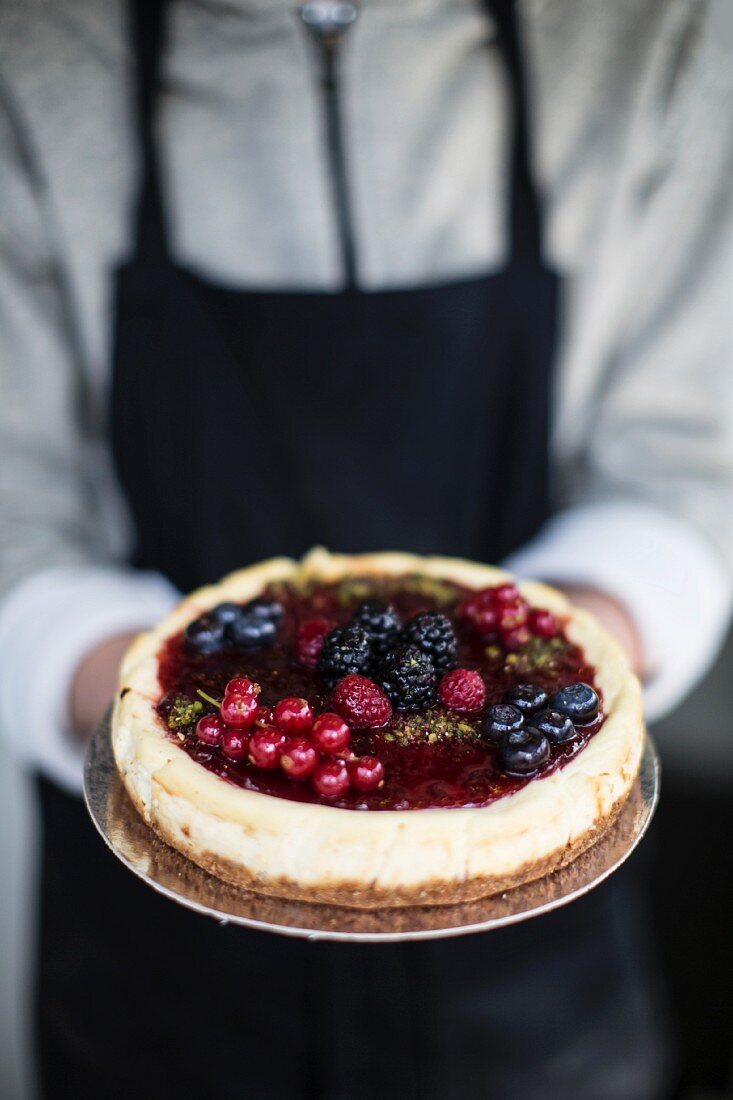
264	716
234	744
513	615
330	733
506	593
486	621
241	685
543	623
239	710
470	607
515	638
209	729
293	715
265	746
367	772
331	779
299	758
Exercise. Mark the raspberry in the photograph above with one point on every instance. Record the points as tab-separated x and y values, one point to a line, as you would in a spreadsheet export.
309	641
361	702
462	690
381	622
346	649
408	677
432	633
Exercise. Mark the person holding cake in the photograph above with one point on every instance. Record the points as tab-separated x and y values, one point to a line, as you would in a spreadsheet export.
437	276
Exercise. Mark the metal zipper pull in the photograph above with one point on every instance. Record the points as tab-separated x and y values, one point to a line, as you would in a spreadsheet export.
327	18
327	21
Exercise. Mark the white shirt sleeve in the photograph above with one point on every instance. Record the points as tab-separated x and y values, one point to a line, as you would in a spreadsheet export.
47	623
672	583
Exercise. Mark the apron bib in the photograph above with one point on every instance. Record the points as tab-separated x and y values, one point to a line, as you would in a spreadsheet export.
247	425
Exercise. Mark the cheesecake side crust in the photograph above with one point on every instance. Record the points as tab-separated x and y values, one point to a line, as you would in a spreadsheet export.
363	859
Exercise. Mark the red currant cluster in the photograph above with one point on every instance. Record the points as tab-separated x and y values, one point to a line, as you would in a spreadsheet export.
291	737
501	614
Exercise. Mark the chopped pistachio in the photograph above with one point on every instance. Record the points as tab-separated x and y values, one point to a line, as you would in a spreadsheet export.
184	712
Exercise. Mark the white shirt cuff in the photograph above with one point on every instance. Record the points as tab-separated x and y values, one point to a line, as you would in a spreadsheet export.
47	624
670	580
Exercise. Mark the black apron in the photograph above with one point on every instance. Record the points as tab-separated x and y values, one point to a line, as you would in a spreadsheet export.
249	424
252	424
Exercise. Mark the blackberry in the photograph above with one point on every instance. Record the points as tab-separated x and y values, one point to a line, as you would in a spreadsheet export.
346	649
381	622
408	677
433	634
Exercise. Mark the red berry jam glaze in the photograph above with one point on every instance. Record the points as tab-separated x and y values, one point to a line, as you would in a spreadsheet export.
453	768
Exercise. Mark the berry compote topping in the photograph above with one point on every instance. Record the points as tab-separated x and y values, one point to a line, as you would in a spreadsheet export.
379	693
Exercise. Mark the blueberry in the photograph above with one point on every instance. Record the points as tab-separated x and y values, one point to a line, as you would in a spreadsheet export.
523	751
205	634
500	720
528	698
226	612
555	725
250	631
262	608
579	701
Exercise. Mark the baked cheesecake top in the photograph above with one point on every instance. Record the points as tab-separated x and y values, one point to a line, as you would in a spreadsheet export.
379	693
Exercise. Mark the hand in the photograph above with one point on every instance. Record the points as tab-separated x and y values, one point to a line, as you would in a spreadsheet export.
612	615
94	683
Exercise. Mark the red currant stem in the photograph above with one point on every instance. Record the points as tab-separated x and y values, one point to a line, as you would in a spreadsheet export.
208	698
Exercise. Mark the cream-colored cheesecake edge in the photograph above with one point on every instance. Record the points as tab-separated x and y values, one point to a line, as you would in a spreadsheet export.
321	853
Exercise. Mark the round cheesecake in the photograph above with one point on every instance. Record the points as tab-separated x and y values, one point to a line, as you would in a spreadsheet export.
441	807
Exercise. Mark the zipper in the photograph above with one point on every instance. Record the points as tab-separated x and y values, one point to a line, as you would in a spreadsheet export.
327	21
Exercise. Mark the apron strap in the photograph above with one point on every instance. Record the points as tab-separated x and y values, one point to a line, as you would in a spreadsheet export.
525	208
150	237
